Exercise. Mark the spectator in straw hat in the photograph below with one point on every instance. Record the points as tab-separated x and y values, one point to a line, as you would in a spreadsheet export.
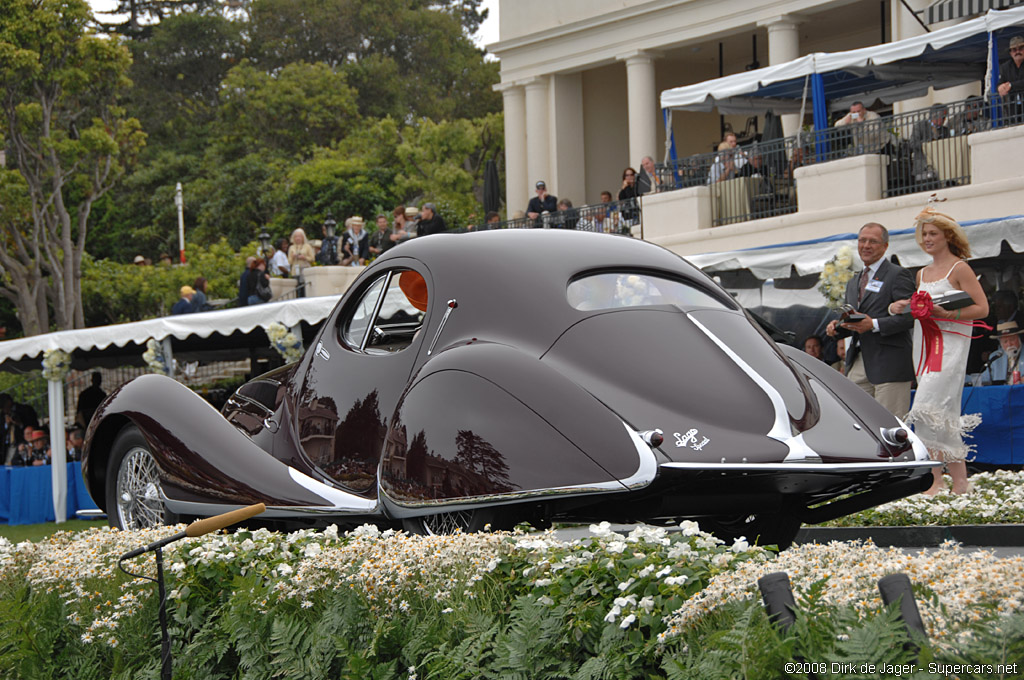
184	304
1004	361
355	243
40	452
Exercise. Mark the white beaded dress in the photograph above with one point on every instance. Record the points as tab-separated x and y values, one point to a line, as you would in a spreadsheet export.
936	410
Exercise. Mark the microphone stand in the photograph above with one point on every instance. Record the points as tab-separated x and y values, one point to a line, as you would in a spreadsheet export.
198	528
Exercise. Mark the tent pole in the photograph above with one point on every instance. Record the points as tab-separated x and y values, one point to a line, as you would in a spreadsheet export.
820	115
168	355
58	455
992	98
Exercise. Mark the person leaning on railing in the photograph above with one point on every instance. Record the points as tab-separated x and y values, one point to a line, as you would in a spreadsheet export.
729	162
1011	80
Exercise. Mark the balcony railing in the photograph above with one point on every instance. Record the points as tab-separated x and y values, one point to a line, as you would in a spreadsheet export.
616	217
922	150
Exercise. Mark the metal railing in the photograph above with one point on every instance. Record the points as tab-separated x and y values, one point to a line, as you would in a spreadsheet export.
922	150
616	217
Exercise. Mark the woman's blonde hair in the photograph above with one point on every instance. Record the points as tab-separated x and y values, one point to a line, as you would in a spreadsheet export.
954	233
300	231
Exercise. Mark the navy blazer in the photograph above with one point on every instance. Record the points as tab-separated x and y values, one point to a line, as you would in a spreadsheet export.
888	354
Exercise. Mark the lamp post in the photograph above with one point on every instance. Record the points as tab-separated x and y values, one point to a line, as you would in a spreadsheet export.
329	225
179	201
264	250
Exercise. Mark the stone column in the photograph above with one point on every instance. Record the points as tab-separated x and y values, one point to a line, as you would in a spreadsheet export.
517	192
643	107
538	146
783	46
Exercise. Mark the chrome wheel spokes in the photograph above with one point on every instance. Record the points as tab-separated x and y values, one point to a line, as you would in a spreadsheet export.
139	501
447	523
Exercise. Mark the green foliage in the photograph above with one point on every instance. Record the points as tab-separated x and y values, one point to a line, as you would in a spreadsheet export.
115	292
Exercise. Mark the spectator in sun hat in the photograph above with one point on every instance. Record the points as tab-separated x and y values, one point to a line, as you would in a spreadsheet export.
184	304
139	261
542	202
1005	360
40	451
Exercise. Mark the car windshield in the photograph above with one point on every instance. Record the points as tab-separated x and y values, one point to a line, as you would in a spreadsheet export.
611	290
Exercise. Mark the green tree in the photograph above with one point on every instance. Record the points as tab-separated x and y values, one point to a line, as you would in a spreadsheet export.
69	139
403	57
444	162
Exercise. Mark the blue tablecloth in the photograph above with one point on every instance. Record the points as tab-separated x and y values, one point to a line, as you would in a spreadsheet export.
999	440
26	494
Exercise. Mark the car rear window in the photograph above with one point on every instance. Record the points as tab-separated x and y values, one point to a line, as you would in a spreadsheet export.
611	290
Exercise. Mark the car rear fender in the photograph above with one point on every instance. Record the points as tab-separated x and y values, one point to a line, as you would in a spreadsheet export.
485	420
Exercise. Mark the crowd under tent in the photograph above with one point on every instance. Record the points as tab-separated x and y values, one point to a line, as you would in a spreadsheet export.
888	72
223	335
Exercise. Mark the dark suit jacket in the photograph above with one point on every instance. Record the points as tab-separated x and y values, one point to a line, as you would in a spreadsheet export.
888	354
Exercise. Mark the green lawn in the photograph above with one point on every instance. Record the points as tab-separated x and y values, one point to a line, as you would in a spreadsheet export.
34	532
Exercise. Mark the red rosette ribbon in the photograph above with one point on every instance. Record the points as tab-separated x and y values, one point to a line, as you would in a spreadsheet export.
921	307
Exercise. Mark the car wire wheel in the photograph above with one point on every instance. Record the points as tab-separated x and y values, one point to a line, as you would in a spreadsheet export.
139	500
447	523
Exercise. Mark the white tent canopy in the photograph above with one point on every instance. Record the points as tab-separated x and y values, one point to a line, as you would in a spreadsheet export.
732	93
132	337
809	257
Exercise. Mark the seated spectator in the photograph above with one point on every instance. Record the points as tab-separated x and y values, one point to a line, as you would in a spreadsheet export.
243	282
412	218
75	445
814	347
279	261
542	203
184	304
927	131
139	261
40	451
731	161
300	253
971	119
647	181
89	400
199	302
259	283
492	220
355	243
567	215
430	222
1004	361
165	260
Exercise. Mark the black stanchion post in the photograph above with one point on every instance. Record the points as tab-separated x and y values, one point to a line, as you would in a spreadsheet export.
197	528
778	599
896	588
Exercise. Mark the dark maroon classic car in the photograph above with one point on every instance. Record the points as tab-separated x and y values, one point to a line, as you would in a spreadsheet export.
508	376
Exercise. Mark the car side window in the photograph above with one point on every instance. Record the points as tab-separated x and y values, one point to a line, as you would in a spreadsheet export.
389	315
611	290
358	320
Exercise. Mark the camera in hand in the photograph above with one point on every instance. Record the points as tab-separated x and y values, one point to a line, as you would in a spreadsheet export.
847	314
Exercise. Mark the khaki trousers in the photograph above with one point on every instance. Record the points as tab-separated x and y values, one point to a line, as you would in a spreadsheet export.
894	396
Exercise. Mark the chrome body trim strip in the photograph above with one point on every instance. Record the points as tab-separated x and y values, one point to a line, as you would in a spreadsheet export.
832	468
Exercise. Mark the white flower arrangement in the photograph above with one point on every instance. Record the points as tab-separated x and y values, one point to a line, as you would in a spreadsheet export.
154	358
56	364
285	342
835	275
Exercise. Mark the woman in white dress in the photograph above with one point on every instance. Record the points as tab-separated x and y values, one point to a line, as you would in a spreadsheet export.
936	410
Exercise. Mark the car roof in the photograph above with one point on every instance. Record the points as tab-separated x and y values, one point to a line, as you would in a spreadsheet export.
511	284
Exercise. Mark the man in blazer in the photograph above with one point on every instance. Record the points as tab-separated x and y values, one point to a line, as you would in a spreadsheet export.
880	357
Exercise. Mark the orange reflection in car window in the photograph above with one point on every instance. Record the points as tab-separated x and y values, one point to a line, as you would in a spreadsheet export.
415	289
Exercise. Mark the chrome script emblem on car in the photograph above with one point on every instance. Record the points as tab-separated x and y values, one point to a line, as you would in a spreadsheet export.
690	438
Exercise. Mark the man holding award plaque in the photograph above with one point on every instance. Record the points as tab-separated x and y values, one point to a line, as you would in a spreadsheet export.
880	355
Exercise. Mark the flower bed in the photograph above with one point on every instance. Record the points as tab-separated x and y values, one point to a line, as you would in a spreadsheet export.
371	604
996	498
